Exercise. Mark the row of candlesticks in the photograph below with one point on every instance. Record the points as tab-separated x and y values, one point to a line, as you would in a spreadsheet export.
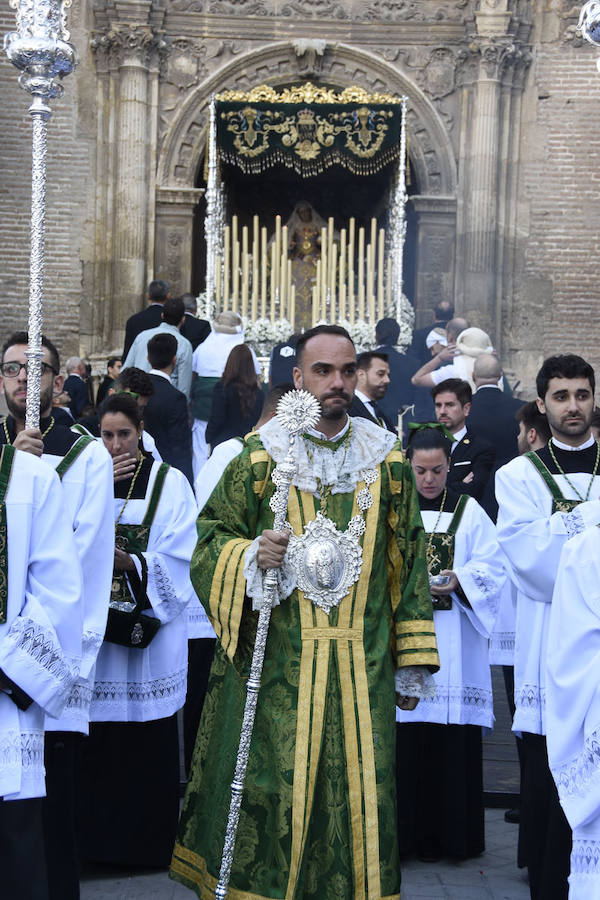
352	278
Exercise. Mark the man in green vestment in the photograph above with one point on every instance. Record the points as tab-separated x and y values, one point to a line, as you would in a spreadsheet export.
318	816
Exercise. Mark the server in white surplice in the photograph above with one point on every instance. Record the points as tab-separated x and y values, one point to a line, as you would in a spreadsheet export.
441	804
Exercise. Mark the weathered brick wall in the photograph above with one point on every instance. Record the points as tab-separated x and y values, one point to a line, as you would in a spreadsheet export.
70	196
556	305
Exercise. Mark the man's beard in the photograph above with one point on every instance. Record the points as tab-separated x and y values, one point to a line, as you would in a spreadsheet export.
18	412
574	430
335	413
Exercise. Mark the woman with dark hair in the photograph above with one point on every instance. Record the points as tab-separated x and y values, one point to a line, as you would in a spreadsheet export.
440	807
130	784
237	399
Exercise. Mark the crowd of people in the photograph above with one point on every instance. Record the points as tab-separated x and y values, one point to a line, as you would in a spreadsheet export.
436	525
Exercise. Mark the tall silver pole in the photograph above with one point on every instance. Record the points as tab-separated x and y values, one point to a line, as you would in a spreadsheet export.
40	49
211	224
296	412
399	222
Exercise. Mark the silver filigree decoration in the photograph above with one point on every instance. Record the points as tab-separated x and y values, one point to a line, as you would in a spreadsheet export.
297	411
327	562
40	50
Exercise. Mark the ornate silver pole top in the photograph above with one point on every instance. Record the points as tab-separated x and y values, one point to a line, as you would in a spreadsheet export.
297	411
589	23
39	46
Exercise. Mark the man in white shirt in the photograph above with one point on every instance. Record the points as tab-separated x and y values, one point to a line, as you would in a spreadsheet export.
173	316
545	497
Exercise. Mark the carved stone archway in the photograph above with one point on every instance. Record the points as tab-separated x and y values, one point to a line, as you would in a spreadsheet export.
340	65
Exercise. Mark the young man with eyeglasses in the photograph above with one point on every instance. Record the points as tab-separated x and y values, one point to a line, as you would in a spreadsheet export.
86	472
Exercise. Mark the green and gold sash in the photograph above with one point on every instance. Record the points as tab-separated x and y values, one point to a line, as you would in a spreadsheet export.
440	552
6	464
127	625
559	503
70	457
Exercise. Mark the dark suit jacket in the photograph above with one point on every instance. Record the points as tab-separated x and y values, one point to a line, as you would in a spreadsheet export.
492	418
166	419
195	330
226	418
283	360
472	454
77	390
150	317
358	410
400	391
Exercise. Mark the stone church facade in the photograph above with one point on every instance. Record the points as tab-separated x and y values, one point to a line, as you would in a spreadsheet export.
504	145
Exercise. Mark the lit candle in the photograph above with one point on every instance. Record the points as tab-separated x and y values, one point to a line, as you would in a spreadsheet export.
380	270
292	315
351	297
332	279
273	280
263	273
226	268
342	278
361	273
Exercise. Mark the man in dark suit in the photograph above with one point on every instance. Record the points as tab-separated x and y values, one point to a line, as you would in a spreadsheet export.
418	349
471	457
75	386
165	414
151	317
194	329
373	379
492	418
400	392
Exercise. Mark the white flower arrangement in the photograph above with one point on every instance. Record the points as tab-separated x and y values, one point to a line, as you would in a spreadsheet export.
262	334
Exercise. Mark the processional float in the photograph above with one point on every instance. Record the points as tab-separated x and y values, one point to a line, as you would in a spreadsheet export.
358	272
40	49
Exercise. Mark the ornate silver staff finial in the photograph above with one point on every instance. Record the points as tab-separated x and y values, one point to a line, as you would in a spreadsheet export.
297	411
589	24
41	50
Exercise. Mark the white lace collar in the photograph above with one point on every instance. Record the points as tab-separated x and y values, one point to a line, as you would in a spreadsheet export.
341	467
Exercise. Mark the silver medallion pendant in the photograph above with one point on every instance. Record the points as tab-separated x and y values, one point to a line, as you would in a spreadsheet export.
327	562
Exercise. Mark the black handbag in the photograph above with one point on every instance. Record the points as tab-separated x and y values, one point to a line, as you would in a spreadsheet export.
127	624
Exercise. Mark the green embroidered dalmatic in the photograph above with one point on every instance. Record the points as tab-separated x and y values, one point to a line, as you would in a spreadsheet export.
318	816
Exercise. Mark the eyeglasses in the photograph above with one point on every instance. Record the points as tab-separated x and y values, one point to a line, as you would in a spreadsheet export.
12	369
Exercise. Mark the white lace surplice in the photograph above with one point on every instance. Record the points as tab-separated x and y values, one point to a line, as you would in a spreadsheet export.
532	539
573	705
463	684
134	685
40	643
88	492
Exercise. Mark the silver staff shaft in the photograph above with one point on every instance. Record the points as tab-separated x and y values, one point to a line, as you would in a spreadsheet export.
297	411
286	472
40	49
40	113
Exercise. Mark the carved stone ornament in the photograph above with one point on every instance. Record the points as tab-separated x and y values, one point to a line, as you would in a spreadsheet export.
439	74
327	562
186	66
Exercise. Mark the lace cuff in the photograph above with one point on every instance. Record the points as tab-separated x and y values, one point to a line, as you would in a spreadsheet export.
90	647
573	523
166	602
415	681
286	577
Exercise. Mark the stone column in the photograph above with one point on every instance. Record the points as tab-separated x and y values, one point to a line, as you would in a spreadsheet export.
436	241
131	39
495	51
174	229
